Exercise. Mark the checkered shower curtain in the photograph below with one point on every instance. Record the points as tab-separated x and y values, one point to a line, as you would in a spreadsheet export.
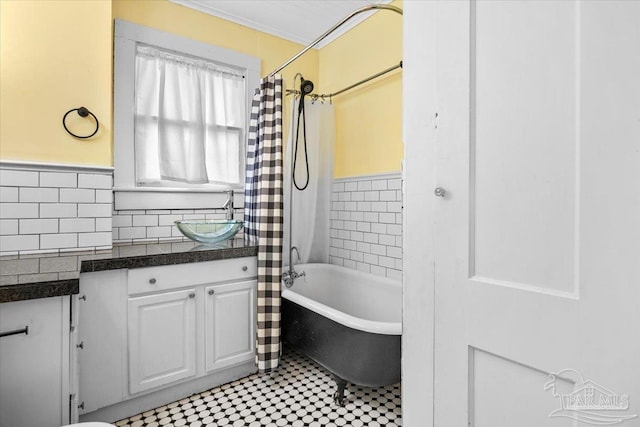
263	213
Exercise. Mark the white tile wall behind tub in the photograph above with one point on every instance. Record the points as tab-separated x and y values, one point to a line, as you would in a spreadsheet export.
54	207
366	224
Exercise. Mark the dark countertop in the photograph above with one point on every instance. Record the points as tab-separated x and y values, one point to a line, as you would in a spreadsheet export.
44	275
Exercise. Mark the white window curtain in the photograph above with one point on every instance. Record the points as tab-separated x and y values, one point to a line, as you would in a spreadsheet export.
189	120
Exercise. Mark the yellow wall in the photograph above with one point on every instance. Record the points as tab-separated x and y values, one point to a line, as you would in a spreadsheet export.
57	55
186	22
368	118
176	19
54	56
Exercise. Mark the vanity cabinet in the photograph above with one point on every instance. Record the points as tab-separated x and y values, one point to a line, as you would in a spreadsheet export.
35	384
154	334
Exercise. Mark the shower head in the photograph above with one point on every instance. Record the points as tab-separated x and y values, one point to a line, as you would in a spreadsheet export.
306	87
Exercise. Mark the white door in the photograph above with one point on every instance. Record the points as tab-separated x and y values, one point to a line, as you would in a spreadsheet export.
162	339
536	240
230	320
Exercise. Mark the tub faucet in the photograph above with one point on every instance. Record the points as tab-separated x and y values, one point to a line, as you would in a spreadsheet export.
291	263
228	205
288	277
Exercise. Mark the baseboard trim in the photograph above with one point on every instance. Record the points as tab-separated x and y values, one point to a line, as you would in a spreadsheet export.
140	404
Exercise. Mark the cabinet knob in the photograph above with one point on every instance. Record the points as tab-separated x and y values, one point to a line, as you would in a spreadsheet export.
81	345
245	268
152	280
211	292
192	295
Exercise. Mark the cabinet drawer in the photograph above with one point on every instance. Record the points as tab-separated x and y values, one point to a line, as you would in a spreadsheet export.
153	279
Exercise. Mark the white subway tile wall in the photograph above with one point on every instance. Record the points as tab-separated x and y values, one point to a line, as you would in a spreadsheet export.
45	210
366	224
153	225
62	210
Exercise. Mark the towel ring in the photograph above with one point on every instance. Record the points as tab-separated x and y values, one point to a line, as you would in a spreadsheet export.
82	112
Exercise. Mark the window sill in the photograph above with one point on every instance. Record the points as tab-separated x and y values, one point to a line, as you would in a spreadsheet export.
167	198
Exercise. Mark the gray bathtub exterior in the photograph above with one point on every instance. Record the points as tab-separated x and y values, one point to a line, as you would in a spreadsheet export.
359	357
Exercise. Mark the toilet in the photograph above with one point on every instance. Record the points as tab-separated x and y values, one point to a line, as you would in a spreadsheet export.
89	424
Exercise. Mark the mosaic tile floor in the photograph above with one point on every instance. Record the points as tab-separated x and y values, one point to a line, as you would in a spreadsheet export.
299	394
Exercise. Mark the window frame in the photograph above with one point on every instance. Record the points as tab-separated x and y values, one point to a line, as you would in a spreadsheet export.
127	194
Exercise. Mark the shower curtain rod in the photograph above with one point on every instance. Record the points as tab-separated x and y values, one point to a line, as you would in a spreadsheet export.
361	82
332	29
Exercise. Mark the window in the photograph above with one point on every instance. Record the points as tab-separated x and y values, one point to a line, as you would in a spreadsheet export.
189	120
181	109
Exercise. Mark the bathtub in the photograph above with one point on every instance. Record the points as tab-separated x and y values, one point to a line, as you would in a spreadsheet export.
348	321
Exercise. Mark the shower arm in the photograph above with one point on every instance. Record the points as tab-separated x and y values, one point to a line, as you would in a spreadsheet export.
335	27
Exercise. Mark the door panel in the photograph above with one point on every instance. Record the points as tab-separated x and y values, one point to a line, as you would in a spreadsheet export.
518	387
523	143
33	384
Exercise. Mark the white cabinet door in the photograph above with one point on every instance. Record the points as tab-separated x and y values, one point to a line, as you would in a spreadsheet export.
230	319
162	339
102	331
33	385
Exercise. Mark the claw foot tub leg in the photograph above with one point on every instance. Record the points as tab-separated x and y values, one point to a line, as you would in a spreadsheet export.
338	396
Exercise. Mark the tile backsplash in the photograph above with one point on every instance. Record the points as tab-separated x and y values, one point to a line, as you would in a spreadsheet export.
58	208
54	208
157	224
366	224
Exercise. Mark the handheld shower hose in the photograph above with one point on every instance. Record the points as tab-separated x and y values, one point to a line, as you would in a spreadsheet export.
306	87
